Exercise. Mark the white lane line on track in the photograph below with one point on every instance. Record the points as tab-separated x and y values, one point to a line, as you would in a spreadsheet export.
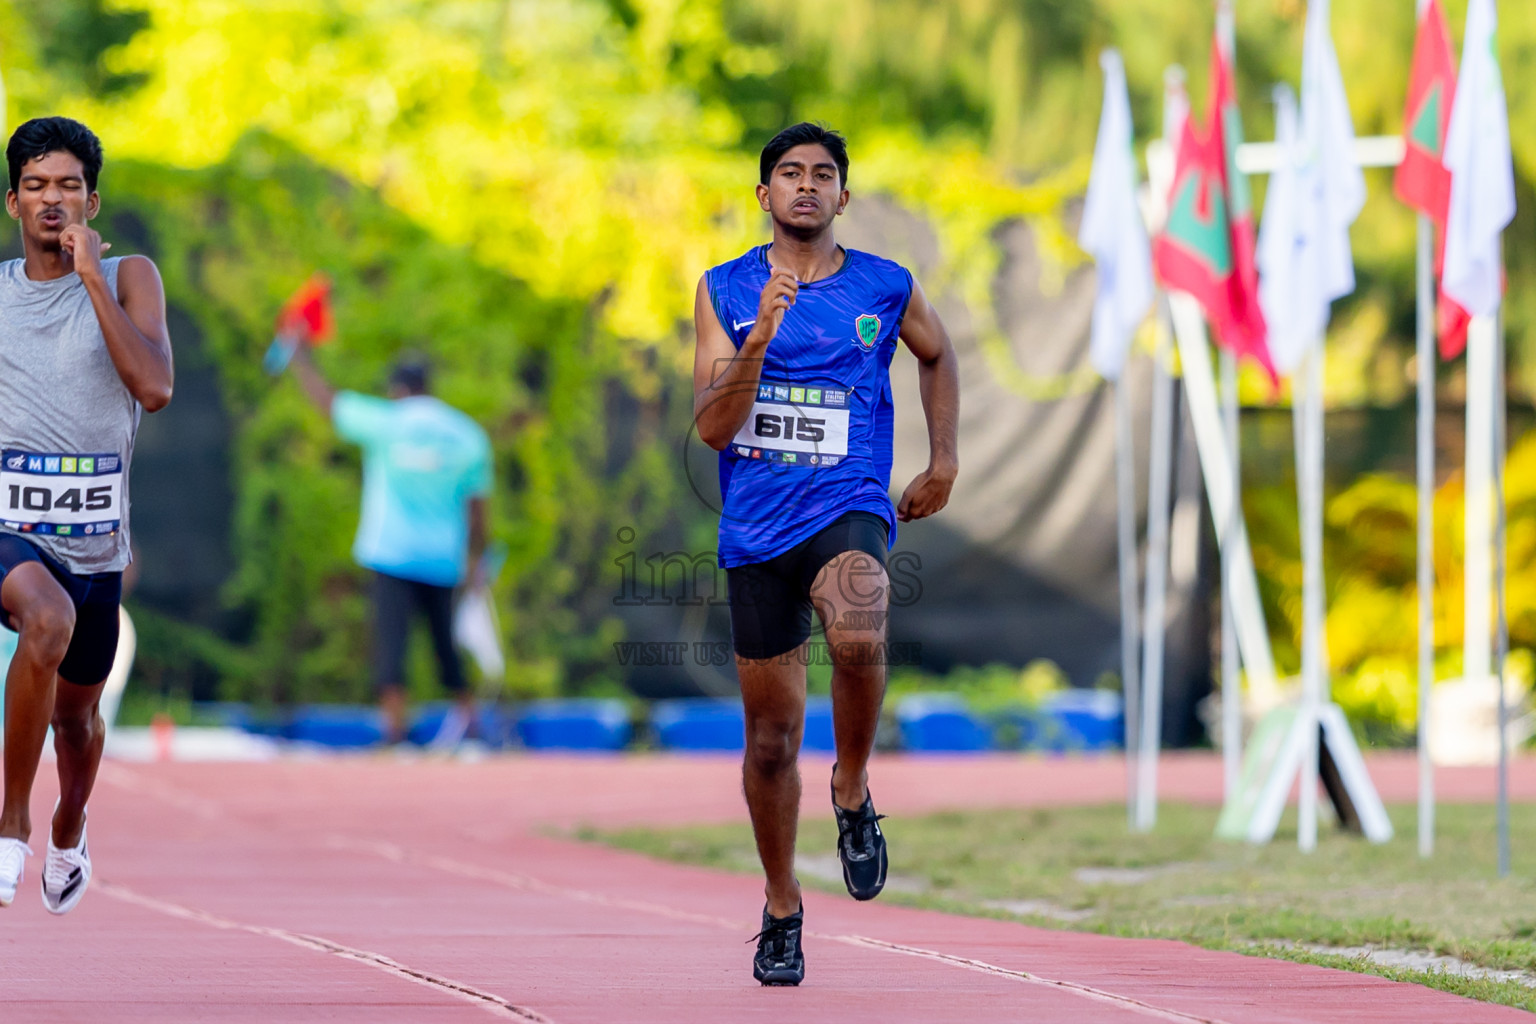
1125	1002
506	879
133	782
488	1001
401	855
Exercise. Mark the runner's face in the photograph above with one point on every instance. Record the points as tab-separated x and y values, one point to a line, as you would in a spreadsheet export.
804	191
51	195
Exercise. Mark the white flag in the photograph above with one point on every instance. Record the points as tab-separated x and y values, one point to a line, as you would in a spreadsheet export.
1329	134
1112	230
1317	192
1482	170
1287	282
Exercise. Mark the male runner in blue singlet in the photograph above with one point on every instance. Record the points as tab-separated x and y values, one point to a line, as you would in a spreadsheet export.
83	351
792	386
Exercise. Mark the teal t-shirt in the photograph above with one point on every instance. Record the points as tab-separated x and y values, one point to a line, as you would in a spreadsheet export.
423	461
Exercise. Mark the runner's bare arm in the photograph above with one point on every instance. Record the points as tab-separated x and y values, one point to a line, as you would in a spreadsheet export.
132	321
939	383
313	383
724	377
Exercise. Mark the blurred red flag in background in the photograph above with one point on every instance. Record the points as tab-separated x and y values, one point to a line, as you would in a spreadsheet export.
306	316
1207	247
305	319
1422	180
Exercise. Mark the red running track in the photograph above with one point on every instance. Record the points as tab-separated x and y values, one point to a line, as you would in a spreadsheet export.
375	890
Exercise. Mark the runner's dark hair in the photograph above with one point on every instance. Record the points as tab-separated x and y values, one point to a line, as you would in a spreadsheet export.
412	374
43	135
804	133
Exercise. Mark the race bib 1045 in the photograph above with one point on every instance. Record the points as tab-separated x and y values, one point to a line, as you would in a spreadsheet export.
66	495
797	425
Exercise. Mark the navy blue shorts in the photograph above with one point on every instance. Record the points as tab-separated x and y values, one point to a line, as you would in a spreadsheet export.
771	610
95	597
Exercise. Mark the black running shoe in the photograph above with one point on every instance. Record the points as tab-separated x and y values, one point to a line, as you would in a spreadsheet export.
861	848
779	960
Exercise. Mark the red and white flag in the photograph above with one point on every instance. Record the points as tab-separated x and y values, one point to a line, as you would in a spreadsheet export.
1207	246
1422	180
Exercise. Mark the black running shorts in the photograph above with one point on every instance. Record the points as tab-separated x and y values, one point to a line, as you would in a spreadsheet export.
95	597
394	602
771	611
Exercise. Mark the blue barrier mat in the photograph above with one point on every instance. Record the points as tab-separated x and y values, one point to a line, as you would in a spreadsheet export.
574	725
940	723
699	723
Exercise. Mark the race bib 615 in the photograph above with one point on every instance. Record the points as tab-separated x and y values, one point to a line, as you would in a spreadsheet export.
797	425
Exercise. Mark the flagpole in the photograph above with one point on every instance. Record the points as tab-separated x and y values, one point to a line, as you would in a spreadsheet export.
1419	181
1114	232
1426	355
1158	515
1159	511
1314	644
1231	684
1482	205
1322	691
1231	688
1477	510
1301	426
1125	477
1150	742
1499	556
1306	406
1479	459
1160	172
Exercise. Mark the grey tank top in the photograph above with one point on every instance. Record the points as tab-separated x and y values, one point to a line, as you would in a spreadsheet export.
63	404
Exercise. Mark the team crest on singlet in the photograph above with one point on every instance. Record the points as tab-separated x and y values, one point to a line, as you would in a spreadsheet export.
868	327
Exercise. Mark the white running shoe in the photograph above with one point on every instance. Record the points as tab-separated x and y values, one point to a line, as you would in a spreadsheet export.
13	857
66	873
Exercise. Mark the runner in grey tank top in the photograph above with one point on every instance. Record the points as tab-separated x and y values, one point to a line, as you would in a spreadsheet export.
83	350
67	422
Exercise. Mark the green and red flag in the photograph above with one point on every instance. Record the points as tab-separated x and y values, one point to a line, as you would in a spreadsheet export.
1422	179
1207	245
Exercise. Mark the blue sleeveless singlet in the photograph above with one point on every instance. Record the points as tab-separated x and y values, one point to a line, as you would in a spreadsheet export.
817	443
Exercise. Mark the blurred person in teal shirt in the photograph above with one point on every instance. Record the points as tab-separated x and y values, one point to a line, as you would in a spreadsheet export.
426	474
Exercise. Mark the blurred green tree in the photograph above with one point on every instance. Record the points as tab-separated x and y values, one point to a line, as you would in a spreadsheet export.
528	189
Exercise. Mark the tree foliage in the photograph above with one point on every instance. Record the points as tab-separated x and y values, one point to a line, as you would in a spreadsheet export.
529	189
